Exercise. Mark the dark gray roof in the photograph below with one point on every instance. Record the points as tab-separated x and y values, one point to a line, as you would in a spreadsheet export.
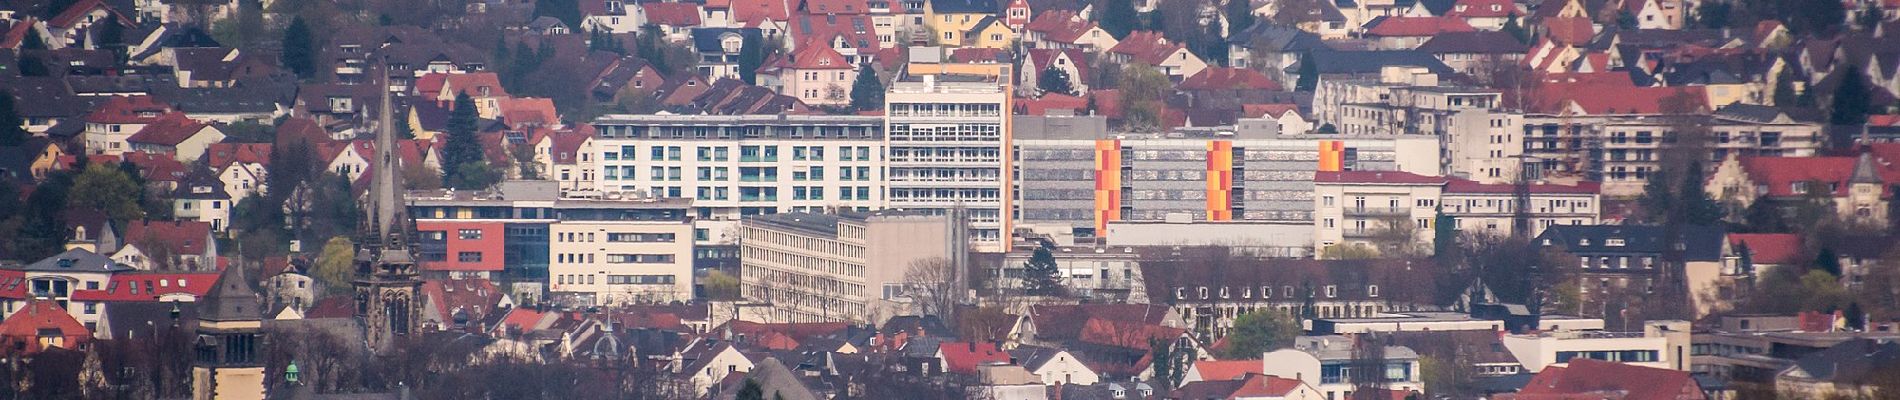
1484	42
45	97
1749	112
1699	243
76	261
1367	62
249	96
201	178
1033	357
231	299
1851	361
707	40
137	319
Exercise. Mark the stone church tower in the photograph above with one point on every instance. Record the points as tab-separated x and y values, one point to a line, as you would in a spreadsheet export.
388	283
226	364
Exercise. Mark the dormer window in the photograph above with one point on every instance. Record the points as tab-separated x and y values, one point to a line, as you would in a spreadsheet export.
1372	290
1613	242
1203	292
1583	242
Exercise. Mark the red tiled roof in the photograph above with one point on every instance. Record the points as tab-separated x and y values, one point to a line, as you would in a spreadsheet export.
529	110
339	306
1108	102
820	30
567	146
155	167
16	33
13	284
180	237
1615	99
1769	248
298	128
223	154
1060	26
23	328
1268	386
1417	26
70	17
1482	9
1221	370
1050	101
431	85
964	357
1379	177
169	130
520	320
1779	174
1569	30
1586	376
681	14
149	287
1043	58
1148	47
1883	120
477	297
1228	78
128	110
838	7
1268	110
753	10
1126	334
1064	322
816	56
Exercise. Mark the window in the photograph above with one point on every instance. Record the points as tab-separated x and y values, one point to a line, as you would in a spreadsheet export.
469	256
469	234
1372	290
639	258
1332	291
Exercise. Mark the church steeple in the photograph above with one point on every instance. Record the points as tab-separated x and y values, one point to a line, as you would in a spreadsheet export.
388	284
230	332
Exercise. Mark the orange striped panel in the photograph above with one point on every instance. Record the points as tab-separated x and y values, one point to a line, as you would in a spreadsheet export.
1108	183
1332	155
1220	180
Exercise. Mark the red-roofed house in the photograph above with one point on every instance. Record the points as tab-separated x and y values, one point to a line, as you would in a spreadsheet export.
1061	104
1405	33
150	287
168	245
527	112
1859	187
848	34
484	87
1484	14
241	166
176	135
39	326
1350	205
1069	61
1064	29
1766	250
770	16
1220	78
964	357
1251	386
1220	370
451	304
1121	348
1656	14
1587	378
817	75
117	119
1150	48
522	320
160	171
567	156
68	28
675	19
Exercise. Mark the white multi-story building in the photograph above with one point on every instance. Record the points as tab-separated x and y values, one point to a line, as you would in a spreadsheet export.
1661	344
846	267
745	164
947	143
1326	363
1380	208
613	250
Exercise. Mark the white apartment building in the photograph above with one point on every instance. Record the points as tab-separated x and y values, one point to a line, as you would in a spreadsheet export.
736	165
1661	344
1623	150
1326	363
1376	208
843	267
585	251
947	143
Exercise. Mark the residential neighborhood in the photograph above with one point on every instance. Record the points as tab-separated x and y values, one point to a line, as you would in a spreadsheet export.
950	199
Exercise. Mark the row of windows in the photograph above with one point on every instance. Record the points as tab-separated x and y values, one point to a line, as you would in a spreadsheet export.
1266	292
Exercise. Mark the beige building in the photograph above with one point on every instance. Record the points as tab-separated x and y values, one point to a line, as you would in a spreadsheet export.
1661	344
845	267
947	146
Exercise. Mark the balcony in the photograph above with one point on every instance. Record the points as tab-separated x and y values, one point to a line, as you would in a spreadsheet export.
1378	211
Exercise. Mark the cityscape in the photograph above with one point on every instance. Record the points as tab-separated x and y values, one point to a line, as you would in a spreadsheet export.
950	199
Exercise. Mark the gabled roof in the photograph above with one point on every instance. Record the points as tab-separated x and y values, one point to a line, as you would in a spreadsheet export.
1248	386
1126	334
1148	47
1482	9
178	237
223	154
1223	370
964	357
1060	26
1585	376
855	31
128	110
1853	361
473	298
521	111
76	261
1780	174
157	167
1221	78
816	56
1043	58
681	14
71	16
39	318
1066	322
834	7
1415	26
431	85
748	11
1769	248
168	130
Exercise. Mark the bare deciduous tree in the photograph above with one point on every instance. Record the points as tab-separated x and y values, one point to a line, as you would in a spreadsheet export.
931	284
